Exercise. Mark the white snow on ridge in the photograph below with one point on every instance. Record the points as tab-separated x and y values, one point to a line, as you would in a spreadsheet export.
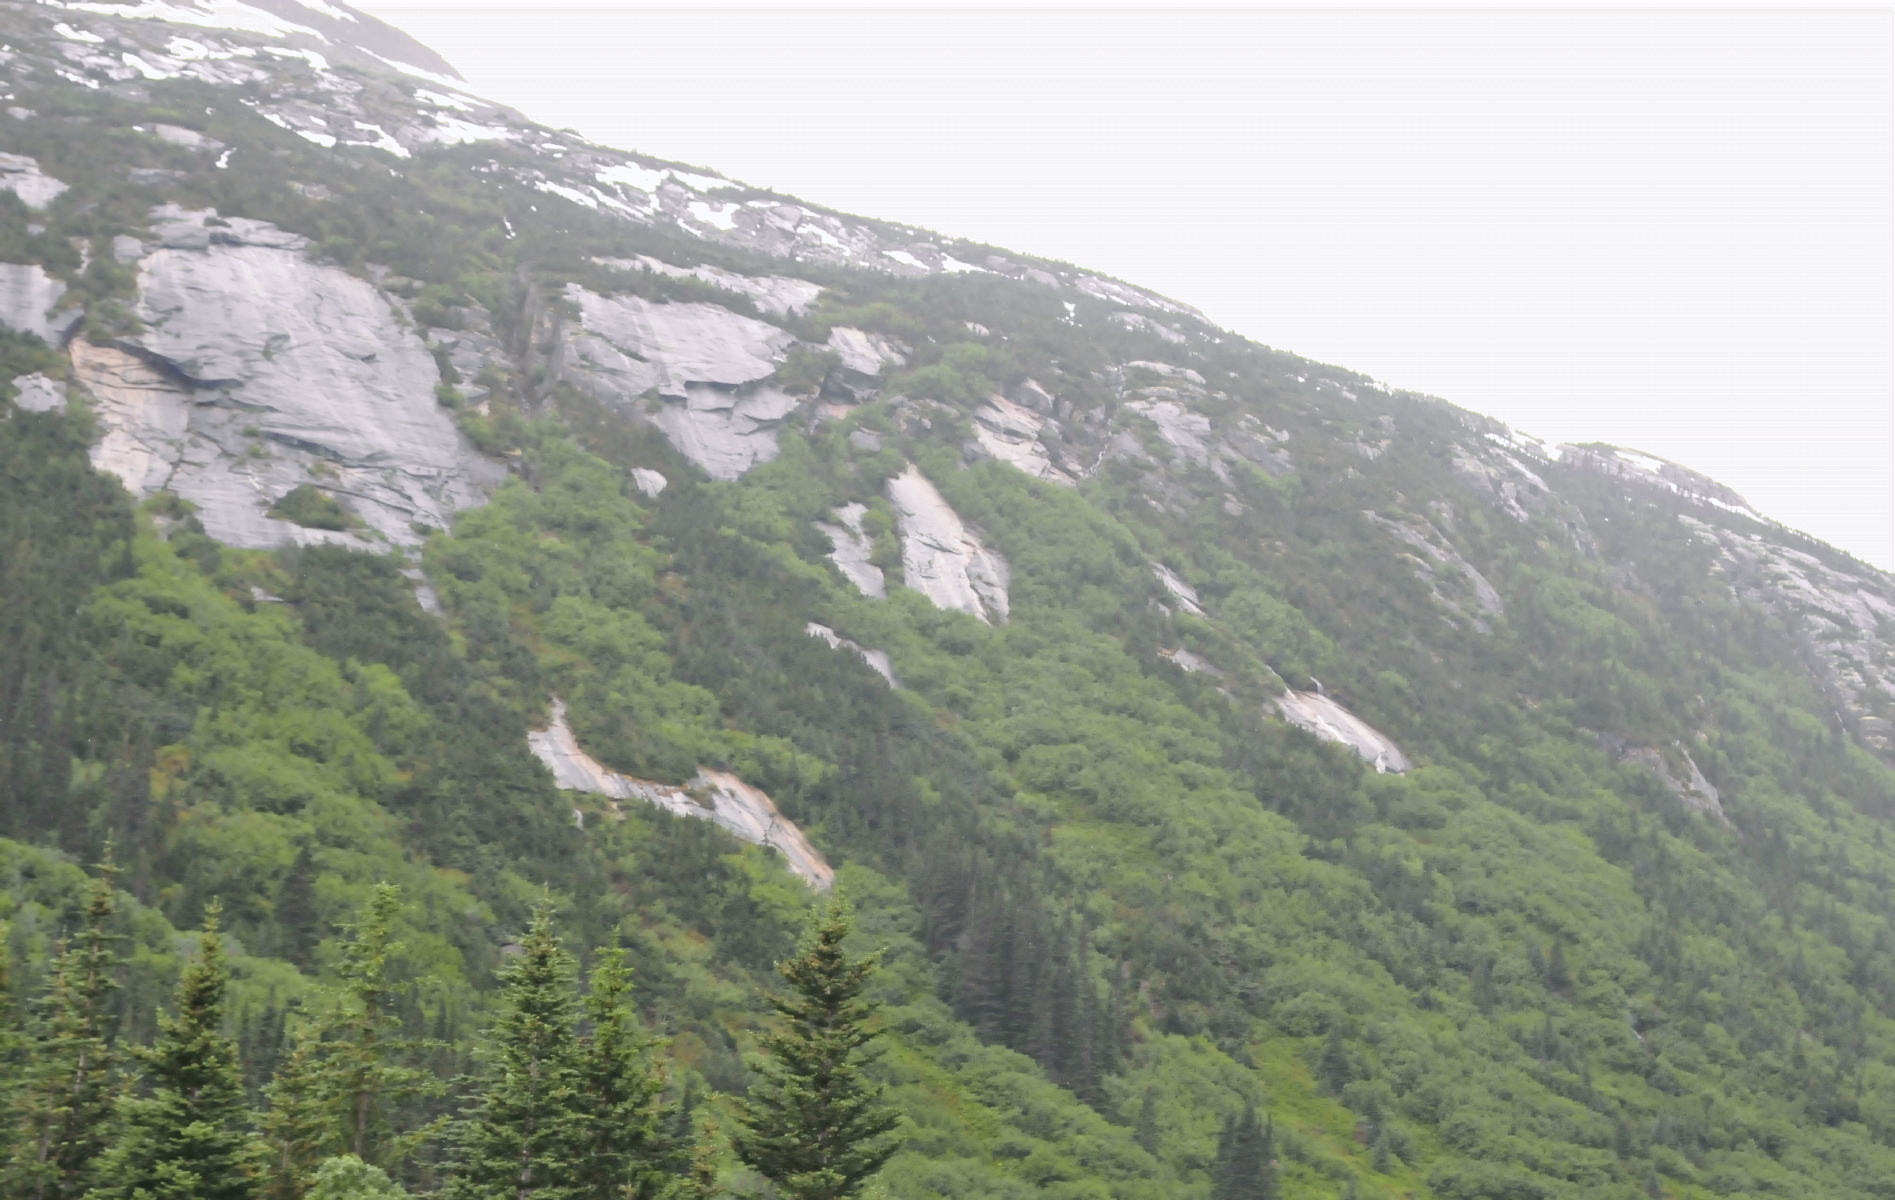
205	14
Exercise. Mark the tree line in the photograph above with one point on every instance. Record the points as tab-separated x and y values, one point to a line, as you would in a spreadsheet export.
569	1101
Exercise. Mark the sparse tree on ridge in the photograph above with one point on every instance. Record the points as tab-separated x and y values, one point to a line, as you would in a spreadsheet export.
814	1126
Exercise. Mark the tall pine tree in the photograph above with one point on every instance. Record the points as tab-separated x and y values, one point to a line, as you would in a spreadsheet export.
518	1142
72	1083
623	1150
188	1139
365	1082
12	1038
1246	1160
296	1125
814	1126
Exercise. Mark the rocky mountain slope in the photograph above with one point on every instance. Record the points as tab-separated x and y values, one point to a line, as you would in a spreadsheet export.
1214	725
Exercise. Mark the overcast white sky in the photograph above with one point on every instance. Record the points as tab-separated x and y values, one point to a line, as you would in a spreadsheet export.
1666	230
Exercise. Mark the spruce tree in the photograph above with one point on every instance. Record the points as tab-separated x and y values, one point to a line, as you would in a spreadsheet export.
519	1141
71	1085
364	1082
814	1126
296	1125
187	1140
1245	1168
622	1148
12	1038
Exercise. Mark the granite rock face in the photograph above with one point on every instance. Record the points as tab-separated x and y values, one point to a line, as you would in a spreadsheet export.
28	298
258	371
21	175
1012	434
38	394
940	557
851	548
878	660
705	363
1435	560
715	796
1843	622
1322	716
1678	772
1183	593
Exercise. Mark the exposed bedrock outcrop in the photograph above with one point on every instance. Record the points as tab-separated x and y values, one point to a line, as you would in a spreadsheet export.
770	293
705	364
876	659
28	297
1843	622
258	371
1436	561
851	549
710	796
1676	769
1182	592
21	175
865	355
1319	714
1013	434
940	557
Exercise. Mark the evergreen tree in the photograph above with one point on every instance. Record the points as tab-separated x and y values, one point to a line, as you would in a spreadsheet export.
519	1141
1148	1121
296	1125
622	1147
188	1139
12	1038
1246	1160
1334	1069
813	1125
364	1081
346	1177
72	1085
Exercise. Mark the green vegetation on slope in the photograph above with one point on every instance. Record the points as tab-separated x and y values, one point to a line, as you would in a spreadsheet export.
1121	908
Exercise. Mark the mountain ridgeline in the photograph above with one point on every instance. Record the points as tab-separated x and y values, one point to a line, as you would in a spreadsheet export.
1259	779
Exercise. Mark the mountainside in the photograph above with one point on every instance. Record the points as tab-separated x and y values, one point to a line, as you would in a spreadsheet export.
393	489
